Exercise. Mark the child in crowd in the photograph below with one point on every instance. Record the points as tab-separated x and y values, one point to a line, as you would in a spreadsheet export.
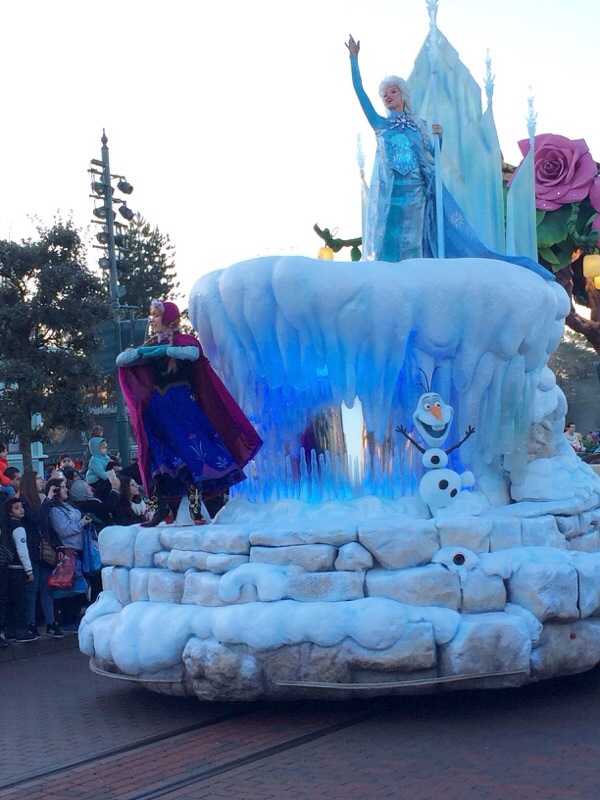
6	489
13	475
19	572
98	473
66	465
96	430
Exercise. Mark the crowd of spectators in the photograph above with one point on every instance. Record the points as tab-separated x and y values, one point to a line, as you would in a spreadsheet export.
54	509
587	444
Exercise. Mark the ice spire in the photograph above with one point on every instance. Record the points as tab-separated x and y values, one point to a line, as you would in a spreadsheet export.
360	157
433	39
521	232
489	79
433	48
364	187
531	117
470	158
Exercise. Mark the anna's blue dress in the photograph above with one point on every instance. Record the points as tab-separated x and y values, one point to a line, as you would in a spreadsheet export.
400	218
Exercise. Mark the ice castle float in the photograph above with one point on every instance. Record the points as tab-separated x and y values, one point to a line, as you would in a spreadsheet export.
460	549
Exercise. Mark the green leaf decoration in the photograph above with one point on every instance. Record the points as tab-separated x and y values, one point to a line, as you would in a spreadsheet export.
548	256
553	227
557	256
564	260
565	248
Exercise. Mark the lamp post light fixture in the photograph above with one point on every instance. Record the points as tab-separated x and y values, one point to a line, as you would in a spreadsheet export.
126	212
124	187
110	239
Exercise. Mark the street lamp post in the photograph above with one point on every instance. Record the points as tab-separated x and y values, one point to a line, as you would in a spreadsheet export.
103	189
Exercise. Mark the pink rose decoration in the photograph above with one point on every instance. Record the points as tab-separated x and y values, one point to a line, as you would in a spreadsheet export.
564	170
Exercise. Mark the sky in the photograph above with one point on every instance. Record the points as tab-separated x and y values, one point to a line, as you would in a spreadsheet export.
236	122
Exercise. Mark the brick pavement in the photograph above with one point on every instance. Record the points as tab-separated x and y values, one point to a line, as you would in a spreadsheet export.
537	742
150	767
540	742
58	711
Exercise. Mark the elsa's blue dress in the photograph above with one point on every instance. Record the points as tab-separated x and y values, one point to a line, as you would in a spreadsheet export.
400	217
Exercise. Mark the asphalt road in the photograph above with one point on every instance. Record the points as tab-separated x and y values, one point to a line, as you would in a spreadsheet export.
69	734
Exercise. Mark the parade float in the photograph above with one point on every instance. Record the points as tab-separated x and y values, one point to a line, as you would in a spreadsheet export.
415	519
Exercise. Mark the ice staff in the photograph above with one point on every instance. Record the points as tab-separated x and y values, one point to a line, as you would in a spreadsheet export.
432	49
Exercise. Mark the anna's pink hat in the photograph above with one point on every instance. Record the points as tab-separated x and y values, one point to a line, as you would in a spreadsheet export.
168	310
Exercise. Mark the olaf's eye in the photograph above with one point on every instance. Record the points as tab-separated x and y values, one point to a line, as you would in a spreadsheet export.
427	406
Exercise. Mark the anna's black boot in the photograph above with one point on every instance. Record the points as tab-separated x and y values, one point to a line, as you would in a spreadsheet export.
161	512
195	498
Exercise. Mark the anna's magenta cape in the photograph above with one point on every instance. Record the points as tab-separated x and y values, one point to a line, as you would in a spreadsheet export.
210	393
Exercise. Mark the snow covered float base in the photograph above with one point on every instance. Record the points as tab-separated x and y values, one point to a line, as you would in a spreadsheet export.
229	610
359	594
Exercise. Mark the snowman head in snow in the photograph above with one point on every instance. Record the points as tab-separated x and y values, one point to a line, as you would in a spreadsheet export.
432	417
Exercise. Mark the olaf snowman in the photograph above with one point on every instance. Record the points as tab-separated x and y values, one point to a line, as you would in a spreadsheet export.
432	418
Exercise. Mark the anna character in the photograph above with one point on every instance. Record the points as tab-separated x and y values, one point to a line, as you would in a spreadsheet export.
187	425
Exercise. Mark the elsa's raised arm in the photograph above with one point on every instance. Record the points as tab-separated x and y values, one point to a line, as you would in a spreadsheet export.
372	116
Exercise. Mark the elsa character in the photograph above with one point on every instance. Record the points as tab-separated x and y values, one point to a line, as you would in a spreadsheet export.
400	221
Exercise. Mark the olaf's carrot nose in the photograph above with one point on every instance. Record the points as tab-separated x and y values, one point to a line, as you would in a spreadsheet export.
436	411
